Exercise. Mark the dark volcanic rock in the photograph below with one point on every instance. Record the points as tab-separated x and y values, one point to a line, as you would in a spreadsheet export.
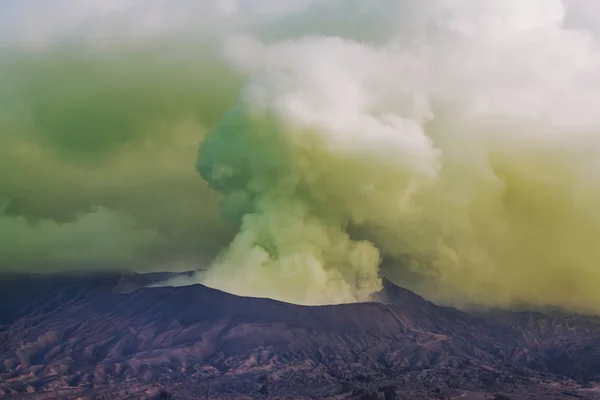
108	336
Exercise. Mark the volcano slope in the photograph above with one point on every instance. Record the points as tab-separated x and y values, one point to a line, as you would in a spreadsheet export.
110	336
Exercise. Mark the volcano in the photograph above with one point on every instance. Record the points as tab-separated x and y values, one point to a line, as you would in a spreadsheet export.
108	336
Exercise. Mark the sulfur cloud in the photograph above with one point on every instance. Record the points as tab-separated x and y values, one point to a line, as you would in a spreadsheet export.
301	146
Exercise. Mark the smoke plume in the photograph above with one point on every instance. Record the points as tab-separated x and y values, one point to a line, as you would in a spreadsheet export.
464	146
452	140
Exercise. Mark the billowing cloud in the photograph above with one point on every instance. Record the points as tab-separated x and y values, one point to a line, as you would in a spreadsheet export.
99	239
462	147
113	125
456	140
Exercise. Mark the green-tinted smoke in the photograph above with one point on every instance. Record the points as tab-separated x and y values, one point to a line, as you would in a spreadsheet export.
457	140
115	129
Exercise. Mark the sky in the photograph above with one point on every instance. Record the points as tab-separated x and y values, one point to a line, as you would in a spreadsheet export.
301	149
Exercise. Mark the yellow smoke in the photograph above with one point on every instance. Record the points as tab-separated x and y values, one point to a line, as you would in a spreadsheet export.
467	154
456	140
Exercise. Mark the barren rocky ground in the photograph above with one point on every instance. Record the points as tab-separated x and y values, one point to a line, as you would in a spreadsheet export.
108	336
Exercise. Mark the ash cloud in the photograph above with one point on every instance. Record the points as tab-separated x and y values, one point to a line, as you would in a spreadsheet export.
456	140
